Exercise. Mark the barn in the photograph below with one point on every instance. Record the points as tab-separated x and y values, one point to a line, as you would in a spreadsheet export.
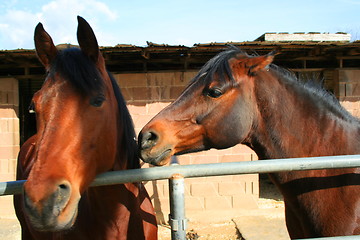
152	76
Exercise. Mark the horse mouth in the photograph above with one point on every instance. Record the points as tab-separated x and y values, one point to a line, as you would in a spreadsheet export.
158	160
50	217
53	225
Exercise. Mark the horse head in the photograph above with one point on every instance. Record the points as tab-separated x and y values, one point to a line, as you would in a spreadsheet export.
216	110
76	129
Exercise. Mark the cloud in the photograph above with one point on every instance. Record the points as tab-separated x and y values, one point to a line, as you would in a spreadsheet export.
59	20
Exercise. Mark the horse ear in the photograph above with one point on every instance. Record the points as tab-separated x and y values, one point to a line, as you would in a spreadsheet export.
87	40
45	48
256	64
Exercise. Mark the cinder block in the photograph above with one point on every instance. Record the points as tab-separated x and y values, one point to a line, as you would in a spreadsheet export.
12	166
241	149
141	93
8	152
161	205
155	93
188	76
204	189
8	112
5	177
230	188
160	79
6	207
175	91
4	125
131	79
127	94
9	139
184	160
235	157
142	120
244	201
3	99
13	125
136	110
164	93
154	190
218	202
4	166
204	159
194	203
155	108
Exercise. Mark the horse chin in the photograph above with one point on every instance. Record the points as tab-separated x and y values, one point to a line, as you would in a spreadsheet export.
157	159
55	225
49	221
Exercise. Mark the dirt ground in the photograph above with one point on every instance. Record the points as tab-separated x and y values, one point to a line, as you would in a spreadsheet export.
265	223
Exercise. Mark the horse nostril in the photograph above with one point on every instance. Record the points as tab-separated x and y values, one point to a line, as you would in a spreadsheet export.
148	139
62	193
63	186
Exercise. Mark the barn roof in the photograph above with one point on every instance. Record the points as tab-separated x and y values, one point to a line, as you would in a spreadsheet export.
162	57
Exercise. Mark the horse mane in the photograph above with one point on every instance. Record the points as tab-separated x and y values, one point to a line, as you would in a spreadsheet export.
315	91
129	137
219	65
80	70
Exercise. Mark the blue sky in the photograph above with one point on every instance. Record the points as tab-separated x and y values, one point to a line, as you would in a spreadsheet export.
173	22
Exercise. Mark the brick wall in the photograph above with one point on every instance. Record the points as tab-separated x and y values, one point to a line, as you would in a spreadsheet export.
9	138
148	93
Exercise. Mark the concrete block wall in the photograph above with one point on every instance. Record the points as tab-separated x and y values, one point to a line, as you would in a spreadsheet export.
148	93
348	91
9	139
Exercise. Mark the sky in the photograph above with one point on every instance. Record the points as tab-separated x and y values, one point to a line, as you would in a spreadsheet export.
173	22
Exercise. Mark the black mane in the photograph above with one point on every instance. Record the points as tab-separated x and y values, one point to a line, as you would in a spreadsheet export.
219	65
129	144
77	68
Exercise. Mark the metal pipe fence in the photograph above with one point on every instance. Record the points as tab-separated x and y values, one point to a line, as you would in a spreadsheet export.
205	170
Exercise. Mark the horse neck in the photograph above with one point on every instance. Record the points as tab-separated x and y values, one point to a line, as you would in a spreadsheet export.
294	122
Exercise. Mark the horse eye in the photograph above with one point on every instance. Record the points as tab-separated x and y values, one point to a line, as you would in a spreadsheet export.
214	92
97	101
32	108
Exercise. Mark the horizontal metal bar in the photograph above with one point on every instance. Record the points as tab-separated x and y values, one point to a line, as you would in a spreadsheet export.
206	170
356	237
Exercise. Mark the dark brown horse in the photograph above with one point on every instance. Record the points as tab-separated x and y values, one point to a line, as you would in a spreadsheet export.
237	98
83	129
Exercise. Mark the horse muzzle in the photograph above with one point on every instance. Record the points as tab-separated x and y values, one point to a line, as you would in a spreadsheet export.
56	212
151	150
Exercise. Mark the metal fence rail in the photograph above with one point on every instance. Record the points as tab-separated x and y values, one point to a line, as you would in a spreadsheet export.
206	170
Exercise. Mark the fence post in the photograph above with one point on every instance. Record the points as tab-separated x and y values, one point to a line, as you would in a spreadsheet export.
177	219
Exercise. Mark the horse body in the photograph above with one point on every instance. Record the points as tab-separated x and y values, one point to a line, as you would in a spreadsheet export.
243	99
321	202
83	129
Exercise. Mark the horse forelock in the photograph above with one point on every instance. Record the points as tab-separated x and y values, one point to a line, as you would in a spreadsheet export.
219	66
74	66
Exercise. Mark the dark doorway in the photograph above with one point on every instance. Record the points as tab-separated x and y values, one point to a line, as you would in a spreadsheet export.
27	88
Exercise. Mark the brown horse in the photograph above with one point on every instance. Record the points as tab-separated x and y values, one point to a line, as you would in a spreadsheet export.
83	129
237	98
